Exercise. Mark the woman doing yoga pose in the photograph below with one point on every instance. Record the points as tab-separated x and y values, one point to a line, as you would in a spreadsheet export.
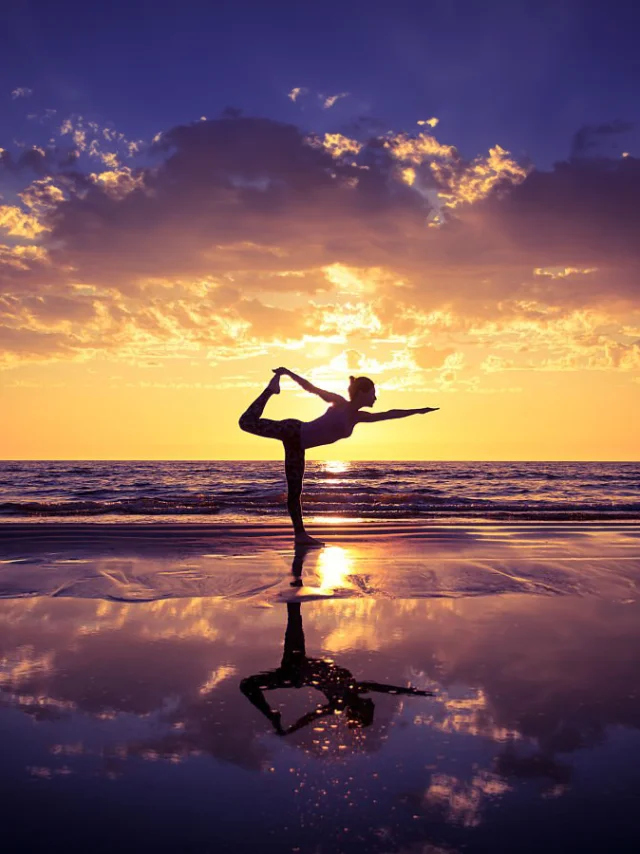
339	686
297	436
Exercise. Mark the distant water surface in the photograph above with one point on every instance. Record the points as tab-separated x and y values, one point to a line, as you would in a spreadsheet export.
235	491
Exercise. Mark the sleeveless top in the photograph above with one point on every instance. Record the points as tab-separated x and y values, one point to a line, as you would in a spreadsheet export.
336	423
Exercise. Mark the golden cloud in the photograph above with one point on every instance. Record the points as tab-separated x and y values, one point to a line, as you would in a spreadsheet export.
230	243
338	145
18	223
417	149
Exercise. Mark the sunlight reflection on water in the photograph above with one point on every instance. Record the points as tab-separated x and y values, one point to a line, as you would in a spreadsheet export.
334	567
336	466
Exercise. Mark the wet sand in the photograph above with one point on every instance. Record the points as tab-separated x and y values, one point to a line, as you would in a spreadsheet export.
133	664
153	561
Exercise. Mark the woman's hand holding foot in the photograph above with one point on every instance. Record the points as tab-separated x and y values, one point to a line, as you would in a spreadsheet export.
274	385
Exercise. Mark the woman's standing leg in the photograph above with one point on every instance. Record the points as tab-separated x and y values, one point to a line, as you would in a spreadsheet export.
294	470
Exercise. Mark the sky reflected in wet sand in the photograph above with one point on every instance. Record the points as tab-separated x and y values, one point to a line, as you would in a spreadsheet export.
137	718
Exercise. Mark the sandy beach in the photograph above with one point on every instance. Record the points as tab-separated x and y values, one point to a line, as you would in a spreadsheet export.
139	562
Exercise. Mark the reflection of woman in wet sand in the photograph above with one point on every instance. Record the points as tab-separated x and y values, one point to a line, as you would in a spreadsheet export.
336	683
297	436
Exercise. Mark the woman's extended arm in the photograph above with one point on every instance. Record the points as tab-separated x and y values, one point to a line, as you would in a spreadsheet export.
328	396
392	689
394	413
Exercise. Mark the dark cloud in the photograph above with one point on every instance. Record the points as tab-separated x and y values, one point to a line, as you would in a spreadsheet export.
590	138
235	151
31	343
580	213
233	191
253	184
40	161
245	202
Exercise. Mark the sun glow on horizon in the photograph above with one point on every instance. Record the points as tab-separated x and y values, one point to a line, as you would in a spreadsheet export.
336	466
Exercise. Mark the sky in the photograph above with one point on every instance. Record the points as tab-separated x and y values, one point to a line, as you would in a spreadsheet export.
441	196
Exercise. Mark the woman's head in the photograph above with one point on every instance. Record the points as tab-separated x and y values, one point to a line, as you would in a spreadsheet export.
363	389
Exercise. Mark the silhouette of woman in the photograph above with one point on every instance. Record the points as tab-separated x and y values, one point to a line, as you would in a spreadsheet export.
298	436
338	685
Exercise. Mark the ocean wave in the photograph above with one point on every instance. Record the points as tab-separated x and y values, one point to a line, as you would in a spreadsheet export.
376	490
123	507
379	506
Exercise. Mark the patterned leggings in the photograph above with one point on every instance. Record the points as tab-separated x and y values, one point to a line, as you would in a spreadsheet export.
288	431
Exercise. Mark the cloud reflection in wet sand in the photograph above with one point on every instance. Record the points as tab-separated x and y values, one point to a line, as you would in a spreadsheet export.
522	685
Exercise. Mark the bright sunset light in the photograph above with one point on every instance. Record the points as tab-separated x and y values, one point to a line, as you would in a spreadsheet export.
151	282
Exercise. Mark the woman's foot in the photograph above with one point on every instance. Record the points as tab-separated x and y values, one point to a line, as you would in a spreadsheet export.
303	539
274	384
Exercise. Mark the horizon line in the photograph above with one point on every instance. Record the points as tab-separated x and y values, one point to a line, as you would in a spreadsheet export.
276	460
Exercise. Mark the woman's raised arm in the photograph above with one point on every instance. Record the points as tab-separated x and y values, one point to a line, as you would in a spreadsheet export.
327	396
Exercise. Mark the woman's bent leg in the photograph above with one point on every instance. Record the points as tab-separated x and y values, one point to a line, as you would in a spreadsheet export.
251	422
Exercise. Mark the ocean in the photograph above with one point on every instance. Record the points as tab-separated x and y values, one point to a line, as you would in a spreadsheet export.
254	491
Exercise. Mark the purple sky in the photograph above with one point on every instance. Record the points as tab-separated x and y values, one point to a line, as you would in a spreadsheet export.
525	74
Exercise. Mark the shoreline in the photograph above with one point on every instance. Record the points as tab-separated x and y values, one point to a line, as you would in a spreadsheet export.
153	529
321	522
143	562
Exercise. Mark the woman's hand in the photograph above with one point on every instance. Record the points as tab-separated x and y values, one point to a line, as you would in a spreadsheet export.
281	371
426	409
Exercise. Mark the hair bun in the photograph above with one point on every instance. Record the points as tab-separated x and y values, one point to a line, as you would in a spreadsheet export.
352	379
